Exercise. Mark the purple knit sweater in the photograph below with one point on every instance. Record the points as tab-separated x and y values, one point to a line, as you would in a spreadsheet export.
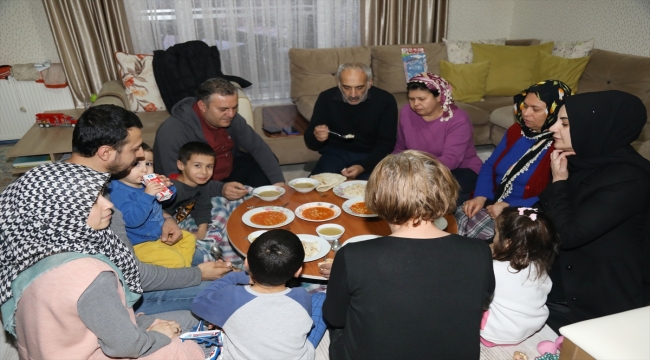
449	141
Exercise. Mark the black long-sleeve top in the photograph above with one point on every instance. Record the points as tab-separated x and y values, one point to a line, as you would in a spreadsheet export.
373	122
399	298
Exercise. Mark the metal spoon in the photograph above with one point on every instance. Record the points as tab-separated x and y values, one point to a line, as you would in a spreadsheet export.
336	245
348	136
216	251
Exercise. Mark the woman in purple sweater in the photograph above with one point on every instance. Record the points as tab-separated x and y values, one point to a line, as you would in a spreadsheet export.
434	124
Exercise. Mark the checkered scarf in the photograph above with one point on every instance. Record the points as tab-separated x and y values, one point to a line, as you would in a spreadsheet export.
44	212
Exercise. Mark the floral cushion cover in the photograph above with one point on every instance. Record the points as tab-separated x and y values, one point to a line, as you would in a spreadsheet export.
136	73
460	52
572	49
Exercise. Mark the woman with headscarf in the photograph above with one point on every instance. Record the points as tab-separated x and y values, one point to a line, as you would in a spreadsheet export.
67	283
519	168
599	201
431	122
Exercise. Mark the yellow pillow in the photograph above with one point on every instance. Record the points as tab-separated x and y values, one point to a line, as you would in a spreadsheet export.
467	80
512	68
569	71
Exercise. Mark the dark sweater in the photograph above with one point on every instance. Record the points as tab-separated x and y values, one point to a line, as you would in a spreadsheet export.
373	122
398	298
189	199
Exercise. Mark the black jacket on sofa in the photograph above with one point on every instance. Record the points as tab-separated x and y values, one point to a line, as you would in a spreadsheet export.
180	70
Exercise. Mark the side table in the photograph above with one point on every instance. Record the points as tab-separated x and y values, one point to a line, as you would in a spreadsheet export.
54	141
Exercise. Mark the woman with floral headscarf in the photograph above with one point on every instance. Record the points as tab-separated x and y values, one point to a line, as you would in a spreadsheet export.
599	201
519	168
432	123
67	283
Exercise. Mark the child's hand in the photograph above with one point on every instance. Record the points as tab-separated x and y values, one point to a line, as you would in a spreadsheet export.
165	180
153	188
170	328
325	268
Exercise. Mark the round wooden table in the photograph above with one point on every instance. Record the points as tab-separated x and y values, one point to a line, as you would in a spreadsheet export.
238	232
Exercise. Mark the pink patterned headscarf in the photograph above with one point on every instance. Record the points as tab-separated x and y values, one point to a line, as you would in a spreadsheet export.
435	82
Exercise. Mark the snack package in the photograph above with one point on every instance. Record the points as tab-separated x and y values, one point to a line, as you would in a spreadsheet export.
164	194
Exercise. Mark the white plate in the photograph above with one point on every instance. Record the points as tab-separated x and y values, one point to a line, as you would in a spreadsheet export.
246	218
440	223
324	246
303	207
338	189
360	238
346	207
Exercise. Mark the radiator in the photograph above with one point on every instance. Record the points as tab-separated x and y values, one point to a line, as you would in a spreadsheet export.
21	100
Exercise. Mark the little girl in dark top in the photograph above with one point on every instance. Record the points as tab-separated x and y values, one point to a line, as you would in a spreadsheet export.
524	247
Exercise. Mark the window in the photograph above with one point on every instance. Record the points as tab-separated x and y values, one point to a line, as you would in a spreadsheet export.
253	36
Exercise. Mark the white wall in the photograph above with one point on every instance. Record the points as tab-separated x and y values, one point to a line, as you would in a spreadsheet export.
617	25
479	19
25	35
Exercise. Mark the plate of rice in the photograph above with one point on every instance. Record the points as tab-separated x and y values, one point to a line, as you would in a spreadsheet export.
351	189
315	247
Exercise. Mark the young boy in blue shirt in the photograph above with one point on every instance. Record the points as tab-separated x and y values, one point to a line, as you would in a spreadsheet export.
261	318
143	217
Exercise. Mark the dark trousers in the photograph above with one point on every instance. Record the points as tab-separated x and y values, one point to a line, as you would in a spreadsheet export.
247	171
467	180
334	160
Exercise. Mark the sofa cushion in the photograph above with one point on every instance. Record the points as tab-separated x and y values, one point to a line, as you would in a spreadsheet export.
572	49
314	70
305	105
467	80
491	103
559	68
388	69
608	70
136	72
503	117
460	52
511	67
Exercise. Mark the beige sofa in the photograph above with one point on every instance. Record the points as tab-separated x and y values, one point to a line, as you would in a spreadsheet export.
112	92
313	70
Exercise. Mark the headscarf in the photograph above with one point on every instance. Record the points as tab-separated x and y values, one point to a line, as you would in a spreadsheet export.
44	212
601	124
435	82
552	93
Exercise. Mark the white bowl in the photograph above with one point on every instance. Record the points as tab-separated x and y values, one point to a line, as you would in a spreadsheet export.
330	237
262	189
293	183
255	234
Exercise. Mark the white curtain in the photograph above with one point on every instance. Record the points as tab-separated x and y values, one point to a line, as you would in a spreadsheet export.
253	36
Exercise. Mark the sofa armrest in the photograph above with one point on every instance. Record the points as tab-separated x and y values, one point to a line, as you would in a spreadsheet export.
112	92
244	106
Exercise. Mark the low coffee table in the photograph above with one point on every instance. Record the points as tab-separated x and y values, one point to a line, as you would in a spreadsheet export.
238	231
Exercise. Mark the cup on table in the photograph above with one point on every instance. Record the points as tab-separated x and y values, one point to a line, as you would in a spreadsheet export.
330	232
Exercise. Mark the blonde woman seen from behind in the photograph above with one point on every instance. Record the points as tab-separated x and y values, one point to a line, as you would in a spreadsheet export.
419	291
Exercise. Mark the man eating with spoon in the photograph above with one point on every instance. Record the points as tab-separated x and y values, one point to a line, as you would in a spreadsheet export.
354	124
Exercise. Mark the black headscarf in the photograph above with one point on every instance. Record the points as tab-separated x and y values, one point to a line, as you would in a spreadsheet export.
44	212
602	126
552	93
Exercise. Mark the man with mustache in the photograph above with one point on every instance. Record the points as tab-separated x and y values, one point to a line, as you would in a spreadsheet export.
354	107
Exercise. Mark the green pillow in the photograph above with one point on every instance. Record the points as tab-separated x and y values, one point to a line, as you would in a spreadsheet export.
569	71
512	68
467	80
